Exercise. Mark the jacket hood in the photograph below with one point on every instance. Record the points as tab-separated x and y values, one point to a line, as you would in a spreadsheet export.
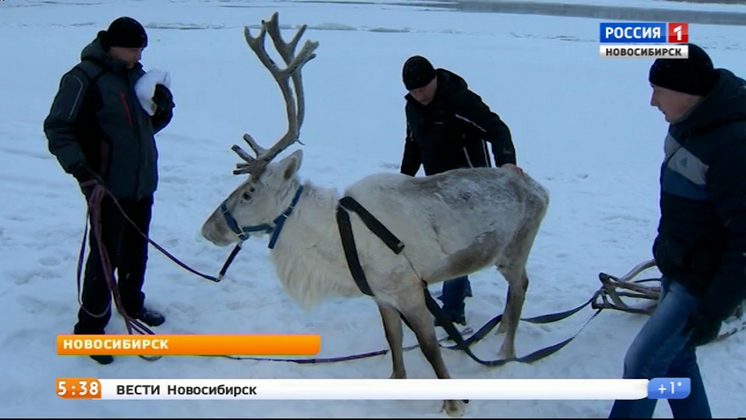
449	81
95	51
725	103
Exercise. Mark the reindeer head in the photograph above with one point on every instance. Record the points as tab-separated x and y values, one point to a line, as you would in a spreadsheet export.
260	204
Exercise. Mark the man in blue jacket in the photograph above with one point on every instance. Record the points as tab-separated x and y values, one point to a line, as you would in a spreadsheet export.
448	127
701	244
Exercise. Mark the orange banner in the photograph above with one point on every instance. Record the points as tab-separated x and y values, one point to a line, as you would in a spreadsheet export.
189	345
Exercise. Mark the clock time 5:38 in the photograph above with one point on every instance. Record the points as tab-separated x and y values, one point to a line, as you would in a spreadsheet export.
82	388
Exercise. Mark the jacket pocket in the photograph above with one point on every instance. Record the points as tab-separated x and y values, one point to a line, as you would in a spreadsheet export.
671	253
697	256
705	257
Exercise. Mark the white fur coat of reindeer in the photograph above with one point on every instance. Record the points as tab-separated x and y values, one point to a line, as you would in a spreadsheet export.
451	224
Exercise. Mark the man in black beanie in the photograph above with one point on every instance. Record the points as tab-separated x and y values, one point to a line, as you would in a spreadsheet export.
448	127
101	135
125	40
700	249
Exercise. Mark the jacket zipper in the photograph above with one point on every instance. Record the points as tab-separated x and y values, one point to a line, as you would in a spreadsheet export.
126	106
136	129
467	158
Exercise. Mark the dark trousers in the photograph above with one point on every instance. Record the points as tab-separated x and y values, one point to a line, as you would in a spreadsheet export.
128	253
455	291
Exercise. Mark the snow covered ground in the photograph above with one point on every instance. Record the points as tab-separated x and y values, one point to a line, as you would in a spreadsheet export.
655	4
582	125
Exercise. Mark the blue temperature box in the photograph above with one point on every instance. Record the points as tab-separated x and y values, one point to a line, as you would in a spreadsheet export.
669	388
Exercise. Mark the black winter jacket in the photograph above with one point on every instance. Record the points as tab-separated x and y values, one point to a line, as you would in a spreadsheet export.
95	117
701	240
451	132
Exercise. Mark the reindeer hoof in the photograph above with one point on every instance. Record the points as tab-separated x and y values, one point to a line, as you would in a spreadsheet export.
395	375
453	408
506	354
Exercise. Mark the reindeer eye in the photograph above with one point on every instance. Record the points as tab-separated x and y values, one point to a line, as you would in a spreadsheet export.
246	196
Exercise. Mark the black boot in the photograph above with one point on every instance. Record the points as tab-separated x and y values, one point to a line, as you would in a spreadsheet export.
150	317
456	315
103	359
456	318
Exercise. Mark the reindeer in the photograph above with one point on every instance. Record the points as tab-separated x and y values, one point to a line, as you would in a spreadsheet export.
449	225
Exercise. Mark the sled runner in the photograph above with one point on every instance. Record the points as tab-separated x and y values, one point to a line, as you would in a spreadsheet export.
613	288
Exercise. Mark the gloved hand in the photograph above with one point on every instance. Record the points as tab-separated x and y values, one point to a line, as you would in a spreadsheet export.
703	328
84	174
163	99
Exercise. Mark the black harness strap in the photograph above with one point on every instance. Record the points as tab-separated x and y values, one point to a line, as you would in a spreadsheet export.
353	262
348	244
373	224
462	344
348	239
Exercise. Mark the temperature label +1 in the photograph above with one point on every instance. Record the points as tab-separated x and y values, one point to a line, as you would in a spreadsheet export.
669	388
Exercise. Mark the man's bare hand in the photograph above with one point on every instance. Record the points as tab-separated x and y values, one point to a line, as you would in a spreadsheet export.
514	168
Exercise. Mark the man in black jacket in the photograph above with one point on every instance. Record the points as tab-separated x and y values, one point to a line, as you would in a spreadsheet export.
448	127
701	244
99	133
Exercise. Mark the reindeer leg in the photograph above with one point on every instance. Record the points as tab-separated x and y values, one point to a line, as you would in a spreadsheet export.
517	286
514	271
420	321
503	327
394	335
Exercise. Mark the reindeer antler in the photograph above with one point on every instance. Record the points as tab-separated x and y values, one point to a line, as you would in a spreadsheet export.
294	104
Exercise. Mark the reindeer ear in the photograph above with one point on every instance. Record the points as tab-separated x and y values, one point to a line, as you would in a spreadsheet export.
290	165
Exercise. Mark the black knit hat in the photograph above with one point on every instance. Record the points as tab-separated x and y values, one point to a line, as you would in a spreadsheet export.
694	75
417	72
127	33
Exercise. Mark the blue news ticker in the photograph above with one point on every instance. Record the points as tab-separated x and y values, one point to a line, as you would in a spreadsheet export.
633	32
669	388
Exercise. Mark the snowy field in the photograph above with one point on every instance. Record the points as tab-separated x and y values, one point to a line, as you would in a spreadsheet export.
582	126
647	4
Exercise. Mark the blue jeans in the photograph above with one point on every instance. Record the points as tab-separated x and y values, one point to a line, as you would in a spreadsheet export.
658	352
455	291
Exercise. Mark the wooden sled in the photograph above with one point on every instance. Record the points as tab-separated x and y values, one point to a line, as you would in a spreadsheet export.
613	289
